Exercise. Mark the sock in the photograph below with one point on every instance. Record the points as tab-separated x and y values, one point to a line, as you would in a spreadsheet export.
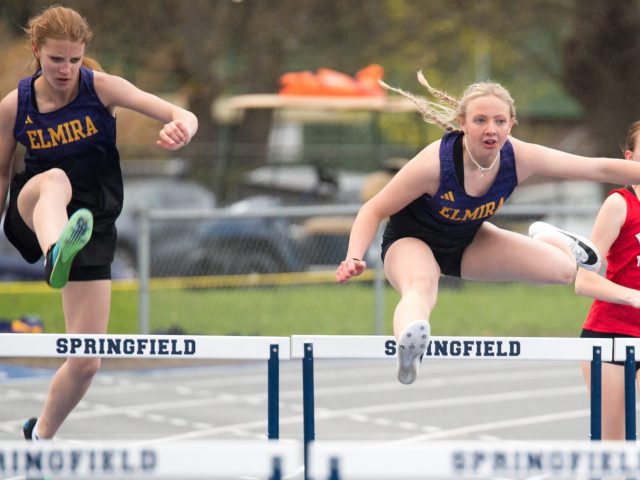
34	434
54	254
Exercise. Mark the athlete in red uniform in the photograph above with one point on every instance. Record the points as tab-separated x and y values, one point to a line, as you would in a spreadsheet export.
616	309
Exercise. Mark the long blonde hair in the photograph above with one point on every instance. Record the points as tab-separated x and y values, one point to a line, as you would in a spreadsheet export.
60	23
447	111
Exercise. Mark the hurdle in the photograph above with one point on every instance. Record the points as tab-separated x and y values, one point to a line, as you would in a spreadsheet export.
309	347
268	459
626	350
467	459
183	347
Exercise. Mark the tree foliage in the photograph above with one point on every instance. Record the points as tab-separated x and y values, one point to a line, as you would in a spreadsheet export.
206	49
602	68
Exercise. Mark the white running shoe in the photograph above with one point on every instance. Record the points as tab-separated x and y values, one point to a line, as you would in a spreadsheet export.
411	346
586	253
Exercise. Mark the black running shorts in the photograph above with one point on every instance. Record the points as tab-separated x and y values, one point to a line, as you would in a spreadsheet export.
592	334
93	262
449	258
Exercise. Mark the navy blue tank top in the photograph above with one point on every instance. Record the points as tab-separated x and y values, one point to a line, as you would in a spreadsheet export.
79	138
451	217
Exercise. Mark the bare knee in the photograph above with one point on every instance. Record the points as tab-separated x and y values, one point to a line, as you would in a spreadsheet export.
565	273
424	288
83	369
56	179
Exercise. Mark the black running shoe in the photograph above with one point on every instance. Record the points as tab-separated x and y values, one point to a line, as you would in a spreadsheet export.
48	264
27	428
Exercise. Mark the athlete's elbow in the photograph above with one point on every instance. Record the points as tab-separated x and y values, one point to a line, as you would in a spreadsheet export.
368	210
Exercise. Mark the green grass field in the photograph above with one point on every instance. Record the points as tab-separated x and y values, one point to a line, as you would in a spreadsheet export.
472	309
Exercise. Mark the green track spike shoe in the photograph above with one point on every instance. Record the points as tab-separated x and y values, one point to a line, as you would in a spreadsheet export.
74	237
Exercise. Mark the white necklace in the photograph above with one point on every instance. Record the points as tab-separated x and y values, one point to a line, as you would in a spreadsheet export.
482	169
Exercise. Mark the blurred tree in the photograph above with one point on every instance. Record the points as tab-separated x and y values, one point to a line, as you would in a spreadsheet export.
602	68
203	49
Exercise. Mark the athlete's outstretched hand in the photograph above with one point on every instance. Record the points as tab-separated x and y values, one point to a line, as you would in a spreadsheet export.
351	267
174	135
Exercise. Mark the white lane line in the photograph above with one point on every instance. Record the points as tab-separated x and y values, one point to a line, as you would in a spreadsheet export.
325	413
319	392
363	414
328	391
457	401
499	377
111	384
497	425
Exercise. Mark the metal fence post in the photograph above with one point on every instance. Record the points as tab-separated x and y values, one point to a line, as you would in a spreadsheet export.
144	262
379	283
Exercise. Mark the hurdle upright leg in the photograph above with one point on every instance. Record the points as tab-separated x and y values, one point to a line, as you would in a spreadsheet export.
335	469
630	394
276	474
596	394
273	393
308	412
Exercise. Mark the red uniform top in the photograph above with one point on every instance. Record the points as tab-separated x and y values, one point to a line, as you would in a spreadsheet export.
623	268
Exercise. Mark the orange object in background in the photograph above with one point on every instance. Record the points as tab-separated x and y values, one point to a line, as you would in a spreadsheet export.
333	83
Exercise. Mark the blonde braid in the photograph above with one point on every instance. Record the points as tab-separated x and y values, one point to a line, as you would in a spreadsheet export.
432	112
442	96
447	111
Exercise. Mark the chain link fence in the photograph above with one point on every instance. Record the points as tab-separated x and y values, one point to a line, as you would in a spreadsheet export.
221	271
199	270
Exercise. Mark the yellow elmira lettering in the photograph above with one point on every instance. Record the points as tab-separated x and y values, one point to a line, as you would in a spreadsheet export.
76	127
42	142
91	128
476	214
491	208
444	212
32	134
57	136
483	211
63	133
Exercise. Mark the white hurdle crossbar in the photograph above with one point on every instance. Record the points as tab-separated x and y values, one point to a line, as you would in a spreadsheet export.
184	347
454	348
513	460
217	459
308	347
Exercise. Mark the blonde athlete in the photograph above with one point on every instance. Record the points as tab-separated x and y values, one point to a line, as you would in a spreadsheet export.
439	205
65	203
616	309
